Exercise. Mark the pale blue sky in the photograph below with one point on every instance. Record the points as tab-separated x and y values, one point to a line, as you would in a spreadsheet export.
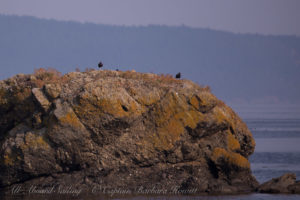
245	16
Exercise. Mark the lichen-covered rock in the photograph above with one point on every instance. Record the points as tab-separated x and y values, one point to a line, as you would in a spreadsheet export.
283	184
294	188
52	90
121	130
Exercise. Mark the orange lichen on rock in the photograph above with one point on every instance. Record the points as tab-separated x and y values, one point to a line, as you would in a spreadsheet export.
170	105
168	134
203	101
194	101
86	109
71	119
105	99
171	118
190	118
3	99
33	141
231	158
232	143
145	98
114	107
8	160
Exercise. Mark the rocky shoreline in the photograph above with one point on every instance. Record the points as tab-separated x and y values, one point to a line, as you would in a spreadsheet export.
285	184
122	131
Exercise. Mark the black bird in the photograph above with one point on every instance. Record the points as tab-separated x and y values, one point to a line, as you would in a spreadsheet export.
178	75
100	64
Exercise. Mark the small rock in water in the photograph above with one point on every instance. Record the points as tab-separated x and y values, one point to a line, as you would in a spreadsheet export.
283	184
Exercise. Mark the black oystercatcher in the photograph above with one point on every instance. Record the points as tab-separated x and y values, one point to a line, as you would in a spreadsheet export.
178	75
100	64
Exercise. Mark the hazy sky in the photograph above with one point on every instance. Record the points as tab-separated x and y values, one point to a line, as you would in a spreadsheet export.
255	16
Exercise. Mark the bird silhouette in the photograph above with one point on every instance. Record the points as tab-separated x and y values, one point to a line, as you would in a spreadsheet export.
178	75
100	64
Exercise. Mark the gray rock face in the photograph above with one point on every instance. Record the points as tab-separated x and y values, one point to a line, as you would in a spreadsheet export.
41	99
283	184
52	90
121	130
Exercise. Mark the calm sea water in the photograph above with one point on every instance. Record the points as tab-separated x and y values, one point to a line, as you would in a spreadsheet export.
276	130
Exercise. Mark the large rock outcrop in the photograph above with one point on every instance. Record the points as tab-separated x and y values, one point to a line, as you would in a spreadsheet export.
118	129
